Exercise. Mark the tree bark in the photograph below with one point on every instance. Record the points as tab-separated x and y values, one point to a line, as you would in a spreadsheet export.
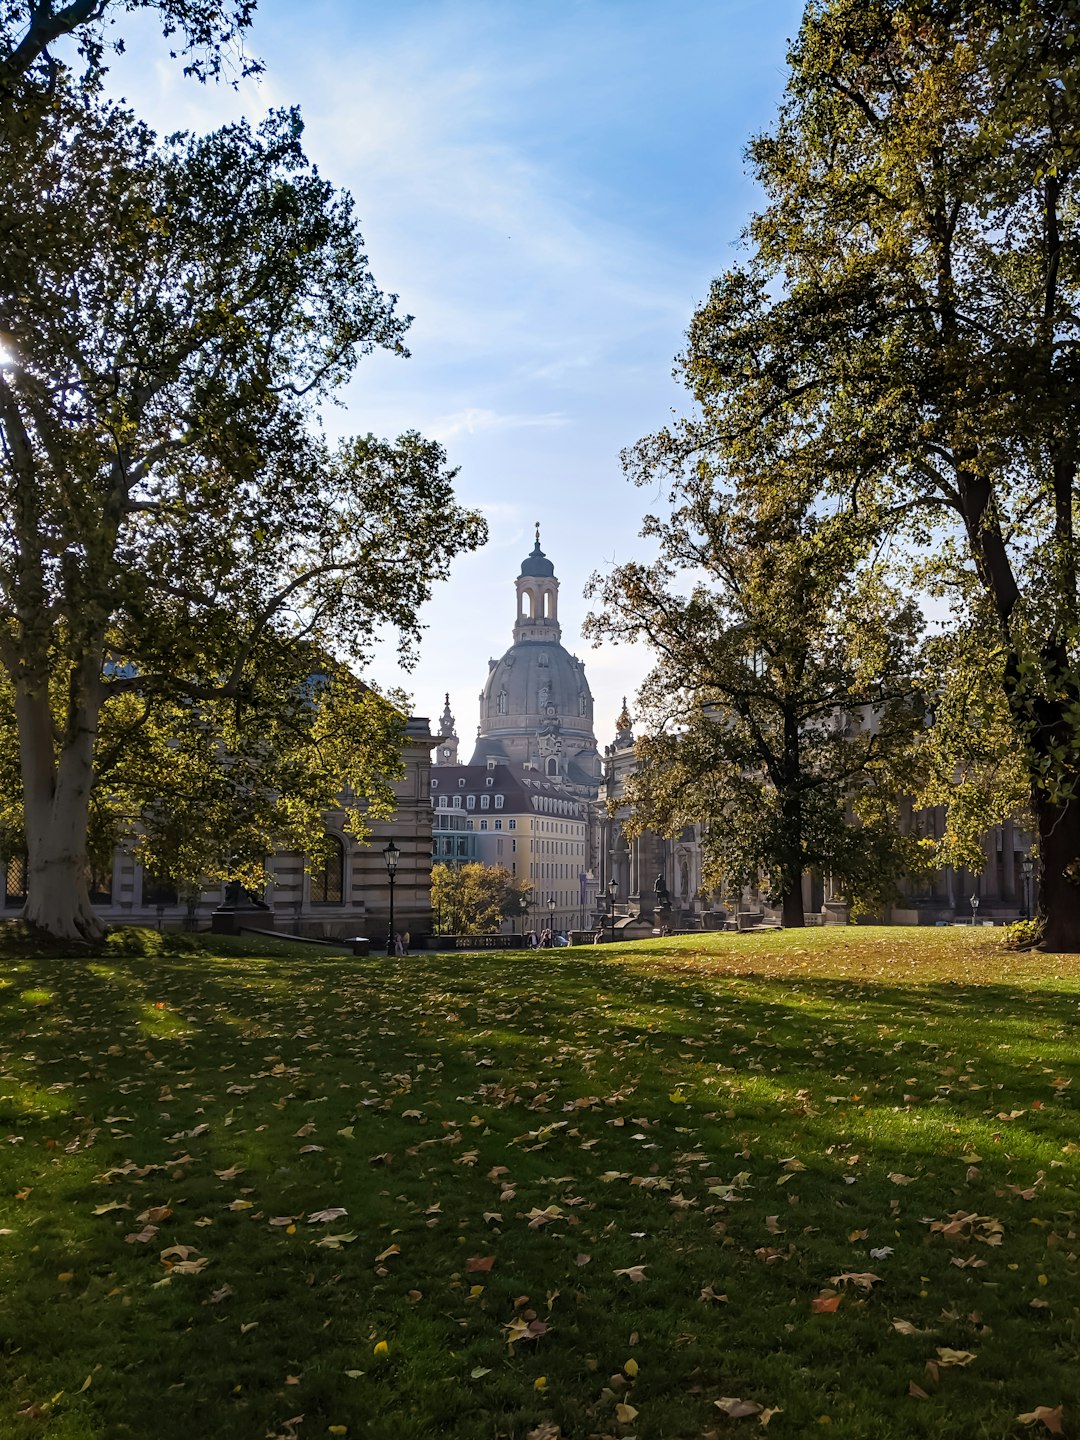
56	799
1059	883
792	909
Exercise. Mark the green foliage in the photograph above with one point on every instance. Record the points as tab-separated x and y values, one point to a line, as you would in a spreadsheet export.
207	32
784	699
904	331
1023	934
194	575
150	944
475	899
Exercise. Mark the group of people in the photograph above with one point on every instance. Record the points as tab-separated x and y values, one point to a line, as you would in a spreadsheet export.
401	942
546	940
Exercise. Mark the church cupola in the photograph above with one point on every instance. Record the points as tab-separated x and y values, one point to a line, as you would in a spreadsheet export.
537	598
447	751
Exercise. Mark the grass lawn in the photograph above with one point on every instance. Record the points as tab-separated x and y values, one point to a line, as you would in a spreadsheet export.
582	1192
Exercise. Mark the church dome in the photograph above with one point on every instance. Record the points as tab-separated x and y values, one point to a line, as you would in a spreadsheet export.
536	562
537	680
536	708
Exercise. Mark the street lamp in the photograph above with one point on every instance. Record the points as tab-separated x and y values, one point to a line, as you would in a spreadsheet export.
391	854
1027	868
551	918
974	908
612	891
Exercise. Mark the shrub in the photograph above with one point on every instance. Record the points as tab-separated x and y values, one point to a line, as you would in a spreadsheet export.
1023	934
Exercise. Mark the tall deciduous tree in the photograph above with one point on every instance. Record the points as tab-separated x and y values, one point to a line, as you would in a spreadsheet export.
207	32
783	691
475	899
913	300
177	530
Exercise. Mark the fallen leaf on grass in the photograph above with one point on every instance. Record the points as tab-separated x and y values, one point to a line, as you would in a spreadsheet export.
222	1294
625	1414
905	1327
1051	1418
916	1391
954	1357
865	1281
737	1409
825	1304
898	1179
320	1217
479	1263
385	1254
335	1242
479	1371
112	1205
141	1237
636	1273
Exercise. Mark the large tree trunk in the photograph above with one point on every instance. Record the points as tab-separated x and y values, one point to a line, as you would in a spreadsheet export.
792	909
56	799
1059	885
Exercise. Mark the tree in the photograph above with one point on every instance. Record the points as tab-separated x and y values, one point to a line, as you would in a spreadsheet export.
475	899
181	541
783	692
208	32
911	304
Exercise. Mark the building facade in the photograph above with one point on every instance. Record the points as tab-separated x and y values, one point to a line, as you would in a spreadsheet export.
346	894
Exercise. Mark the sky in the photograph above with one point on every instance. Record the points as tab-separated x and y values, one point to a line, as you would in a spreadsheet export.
549	188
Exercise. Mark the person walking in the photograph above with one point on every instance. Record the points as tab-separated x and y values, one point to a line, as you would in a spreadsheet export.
405	938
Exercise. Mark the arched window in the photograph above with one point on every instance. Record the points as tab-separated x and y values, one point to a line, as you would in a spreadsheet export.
500	703
15	880
552	766
328	877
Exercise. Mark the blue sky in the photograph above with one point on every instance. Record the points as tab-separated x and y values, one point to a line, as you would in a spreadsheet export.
549	188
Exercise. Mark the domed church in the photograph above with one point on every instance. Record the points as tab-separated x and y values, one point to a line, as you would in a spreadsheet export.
536	708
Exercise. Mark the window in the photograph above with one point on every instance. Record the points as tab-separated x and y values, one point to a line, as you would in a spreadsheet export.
498	824
485	802
461	784
483	824
513	847
442	802
490	779
457	802
15	881
498	802
470	802
158	889
511	824
468	824
434	784
327	877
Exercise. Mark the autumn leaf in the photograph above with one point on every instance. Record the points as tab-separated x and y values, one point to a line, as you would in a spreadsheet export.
636	1273
1051	1418
948	1357
825	1304
625	1414
321	1217
737	1409
865	1281
479	1263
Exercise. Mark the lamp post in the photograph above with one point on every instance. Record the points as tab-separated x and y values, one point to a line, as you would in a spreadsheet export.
391	854
551	919
612	891
1027	868
974	908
